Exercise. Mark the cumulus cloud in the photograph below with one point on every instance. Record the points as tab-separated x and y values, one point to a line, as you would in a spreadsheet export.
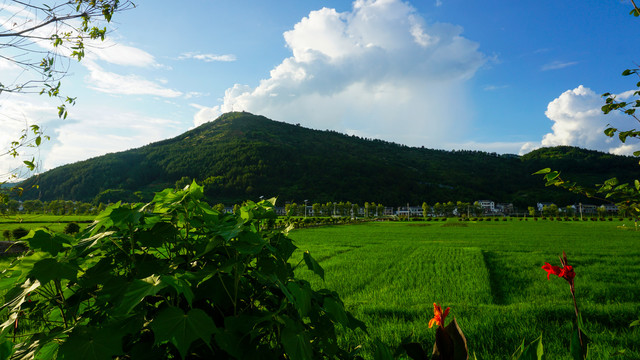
578	121
379	68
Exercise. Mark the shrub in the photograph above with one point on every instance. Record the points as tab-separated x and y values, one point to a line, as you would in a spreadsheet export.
171	279
19	232
7	235
71	228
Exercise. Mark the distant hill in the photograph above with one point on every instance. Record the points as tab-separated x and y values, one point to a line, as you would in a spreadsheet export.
241	155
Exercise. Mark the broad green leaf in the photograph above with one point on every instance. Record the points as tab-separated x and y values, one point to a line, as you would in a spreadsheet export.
50	269
86	343
336	310
552	176
137	291
313	265
302	296
295	341
196	191
6	348
180	329
249	243
181	286
46	241
48	351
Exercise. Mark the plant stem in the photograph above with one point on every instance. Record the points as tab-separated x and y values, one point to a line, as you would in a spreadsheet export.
575	306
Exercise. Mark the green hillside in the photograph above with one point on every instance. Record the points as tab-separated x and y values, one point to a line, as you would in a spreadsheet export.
241	155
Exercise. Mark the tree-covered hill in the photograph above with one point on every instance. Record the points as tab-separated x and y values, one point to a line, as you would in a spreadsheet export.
241	155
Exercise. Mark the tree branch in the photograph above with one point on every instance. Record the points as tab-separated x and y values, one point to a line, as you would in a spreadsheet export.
52	20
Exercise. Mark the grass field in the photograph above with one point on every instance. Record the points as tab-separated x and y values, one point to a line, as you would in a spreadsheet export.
489	273
52	222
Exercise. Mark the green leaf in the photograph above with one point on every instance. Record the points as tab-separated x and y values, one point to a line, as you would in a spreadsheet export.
635	323
137	291
46	241
30	164
181	287
295	341
180	329
579	352
196	191
551	176
336	310
50	269
6	349
302	297
543	171
313	265
91	344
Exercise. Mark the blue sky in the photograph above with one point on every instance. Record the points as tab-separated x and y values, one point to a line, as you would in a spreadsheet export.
498	76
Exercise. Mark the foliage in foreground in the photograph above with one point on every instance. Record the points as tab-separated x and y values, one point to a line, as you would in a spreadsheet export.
170	279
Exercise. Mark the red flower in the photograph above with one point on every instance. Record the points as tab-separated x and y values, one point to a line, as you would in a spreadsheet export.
438	316
566	271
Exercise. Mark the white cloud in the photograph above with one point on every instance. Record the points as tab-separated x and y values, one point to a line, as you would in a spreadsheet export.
579	121
378	68
494	87
17	113
118	54
207	57
555	65
103	130
112	83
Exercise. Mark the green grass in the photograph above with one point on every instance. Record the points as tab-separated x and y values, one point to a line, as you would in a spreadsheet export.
52	222
390	274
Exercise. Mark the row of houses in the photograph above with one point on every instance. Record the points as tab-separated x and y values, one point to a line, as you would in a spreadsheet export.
586	209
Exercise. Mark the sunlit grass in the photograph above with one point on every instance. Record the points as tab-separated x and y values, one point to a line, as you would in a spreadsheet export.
389	275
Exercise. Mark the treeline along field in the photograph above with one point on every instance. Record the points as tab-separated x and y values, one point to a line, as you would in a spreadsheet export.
489	273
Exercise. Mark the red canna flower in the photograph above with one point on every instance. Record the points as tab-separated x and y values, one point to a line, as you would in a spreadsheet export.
566	271
438	316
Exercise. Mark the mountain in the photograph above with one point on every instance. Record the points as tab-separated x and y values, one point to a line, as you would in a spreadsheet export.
243	156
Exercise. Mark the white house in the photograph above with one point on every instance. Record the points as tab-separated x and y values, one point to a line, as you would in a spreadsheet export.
487	206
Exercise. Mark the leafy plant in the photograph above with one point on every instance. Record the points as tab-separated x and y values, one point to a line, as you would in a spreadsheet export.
170	279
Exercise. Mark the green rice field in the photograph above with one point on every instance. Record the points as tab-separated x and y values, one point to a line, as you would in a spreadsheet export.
52	222
489	273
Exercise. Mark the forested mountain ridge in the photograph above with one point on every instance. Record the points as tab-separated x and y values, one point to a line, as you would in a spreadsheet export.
243	156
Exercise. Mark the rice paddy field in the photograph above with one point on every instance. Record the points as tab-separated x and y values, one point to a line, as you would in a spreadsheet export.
389	274
52	222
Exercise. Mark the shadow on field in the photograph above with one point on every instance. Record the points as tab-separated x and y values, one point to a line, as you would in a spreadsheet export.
398	314
501	278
